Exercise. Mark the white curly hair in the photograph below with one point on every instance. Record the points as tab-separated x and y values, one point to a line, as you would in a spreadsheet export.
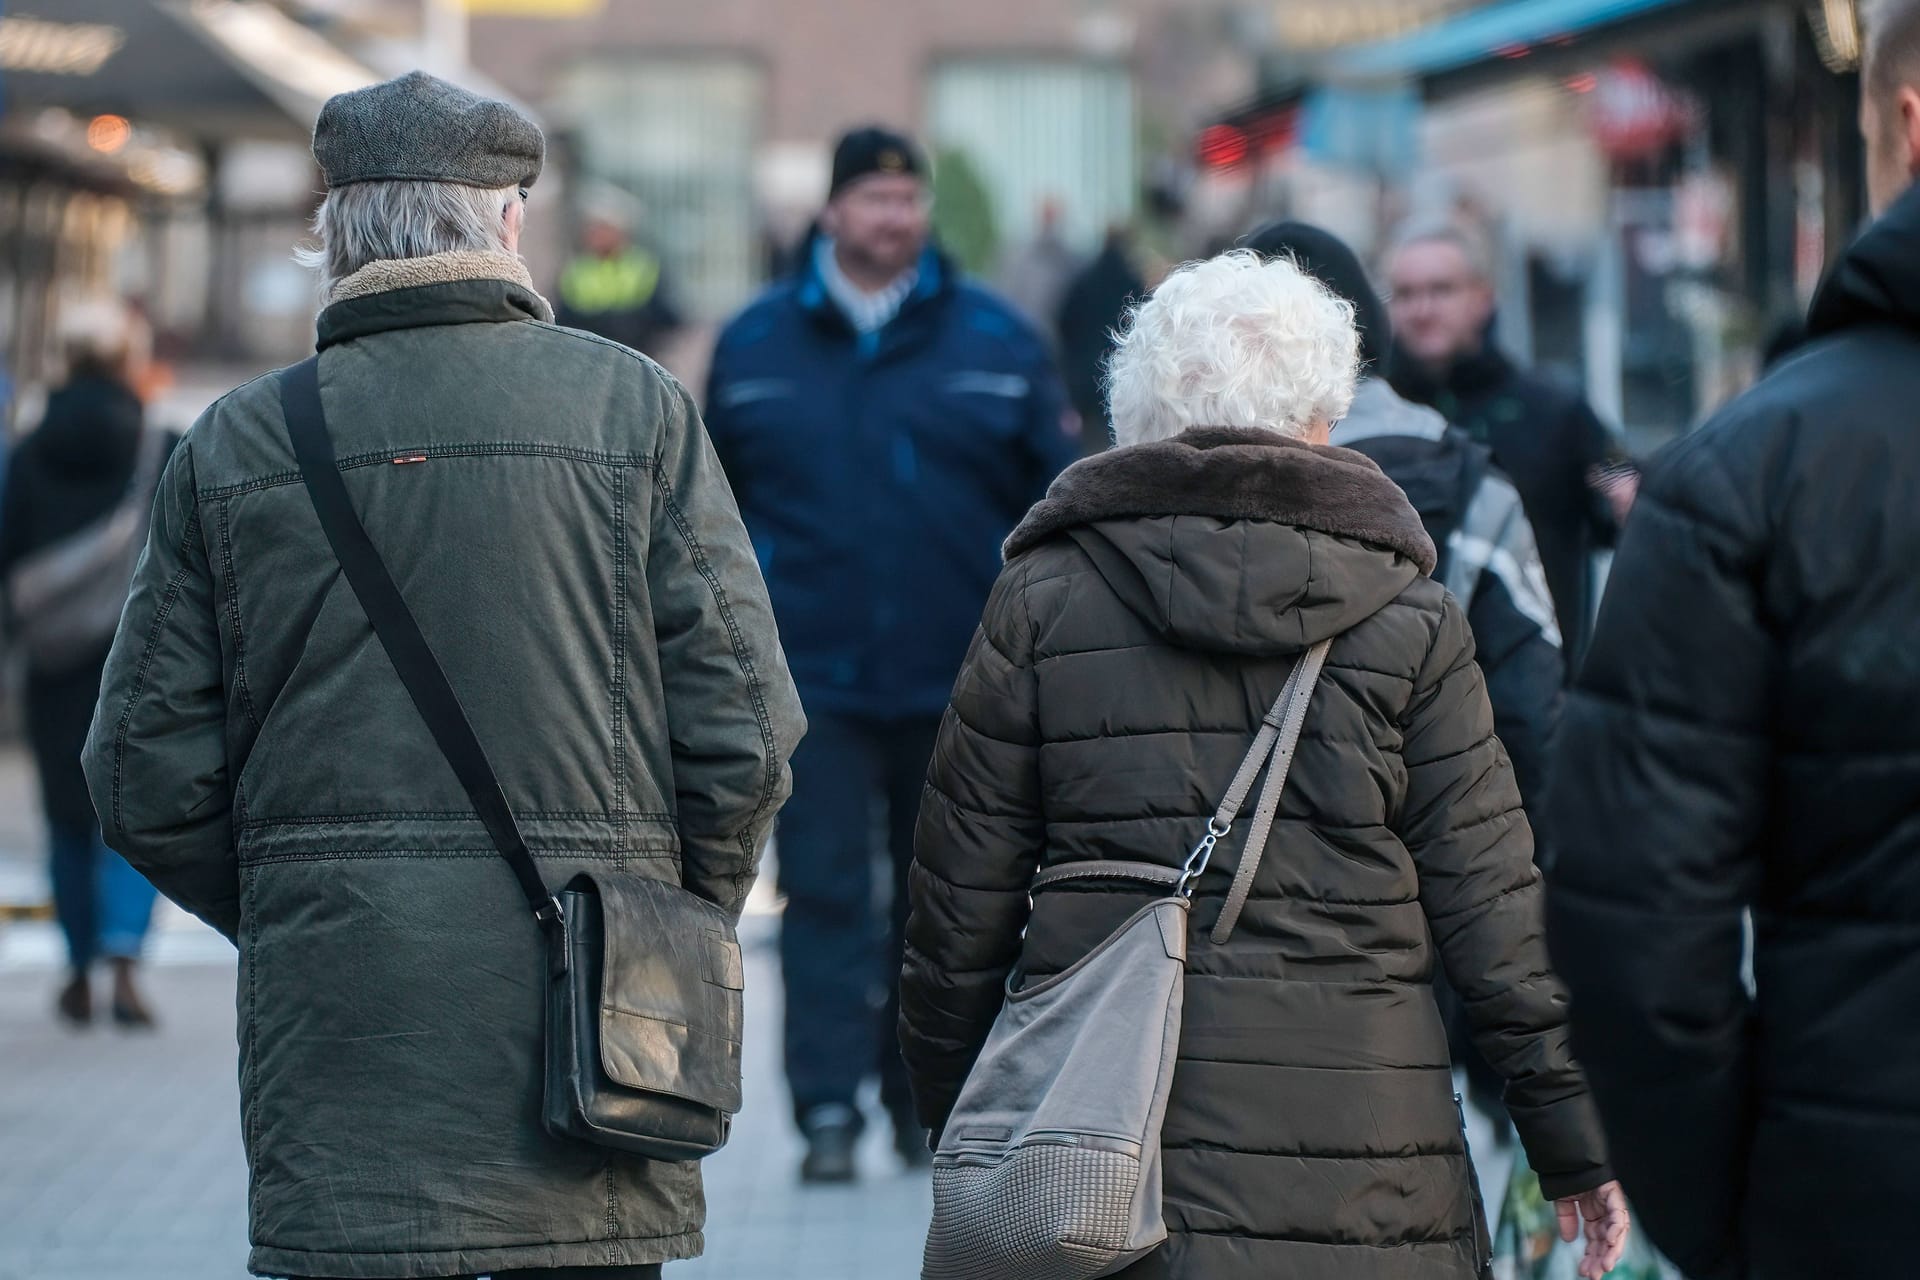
1234	341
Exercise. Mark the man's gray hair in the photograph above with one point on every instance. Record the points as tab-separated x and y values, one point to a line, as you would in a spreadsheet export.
1472	245
367	222
1891	52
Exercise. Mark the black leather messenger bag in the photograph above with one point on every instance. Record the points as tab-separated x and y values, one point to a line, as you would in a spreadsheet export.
643	988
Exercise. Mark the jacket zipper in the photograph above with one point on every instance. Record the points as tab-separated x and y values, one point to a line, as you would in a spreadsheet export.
1476	1214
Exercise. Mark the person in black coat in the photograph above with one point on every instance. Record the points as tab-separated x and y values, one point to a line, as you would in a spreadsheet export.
1090	311
1565	463
64	477
1745	743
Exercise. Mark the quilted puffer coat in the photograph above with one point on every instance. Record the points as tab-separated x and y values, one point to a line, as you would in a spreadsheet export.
1148	615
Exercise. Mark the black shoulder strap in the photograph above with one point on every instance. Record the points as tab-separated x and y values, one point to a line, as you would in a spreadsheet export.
399	634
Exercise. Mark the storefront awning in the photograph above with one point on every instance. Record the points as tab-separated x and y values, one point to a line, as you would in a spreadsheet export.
205	68
1507	30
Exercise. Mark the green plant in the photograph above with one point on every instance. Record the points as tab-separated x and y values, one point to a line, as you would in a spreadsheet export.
963	210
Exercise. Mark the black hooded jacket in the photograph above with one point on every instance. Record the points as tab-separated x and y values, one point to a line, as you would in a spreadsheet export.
1746	734
1548	441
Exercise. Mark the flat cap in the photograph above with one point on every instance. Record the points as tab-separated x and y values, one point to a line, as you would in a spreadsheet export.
420	128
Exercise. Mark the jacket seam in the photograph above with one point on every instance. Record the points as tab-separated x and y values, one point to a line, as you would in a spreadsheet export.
356	855
331	1252
437	815
253	1051
618	701
487	449
229	578
770	784
176	581
613	1218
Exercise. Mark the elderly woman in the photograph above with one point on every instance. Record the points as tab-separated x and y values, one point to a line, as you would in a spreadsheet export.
1149	612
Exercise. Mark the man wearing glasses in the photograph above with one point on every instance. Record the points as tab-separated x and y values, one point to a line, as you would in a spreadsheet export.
884	424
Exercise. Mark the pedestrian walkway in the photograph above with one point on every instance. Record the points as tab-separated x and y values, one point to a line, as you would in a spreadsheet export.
123	1160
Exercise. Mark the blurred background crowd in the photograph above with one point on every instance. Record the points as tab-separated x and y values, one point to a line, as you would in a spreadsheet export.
1662	180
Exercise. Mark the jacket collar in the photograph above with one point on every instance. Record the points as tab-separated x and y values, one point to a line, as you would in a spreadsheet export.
1233	473
462	287
934	279
1876	278
1469	376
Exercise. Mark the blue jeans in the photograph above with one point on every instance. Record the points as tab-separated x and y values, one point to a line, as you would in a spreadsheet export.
103	904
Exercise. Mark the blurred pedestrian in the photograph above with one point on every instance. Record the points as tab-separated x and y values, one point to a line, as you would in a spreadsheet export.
884	424
1741	760
1034	276
1566	465
72	523
1473	513
1149	613
550	513
1091	310
617	288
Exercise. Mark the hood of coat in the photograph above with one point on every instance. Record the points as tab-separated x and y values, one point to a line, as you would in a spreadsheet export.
1238	540
1379	410
1877	280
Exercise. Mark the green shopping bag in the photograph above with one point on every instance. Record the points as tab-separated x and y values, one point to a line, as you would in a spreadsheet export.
1527	1244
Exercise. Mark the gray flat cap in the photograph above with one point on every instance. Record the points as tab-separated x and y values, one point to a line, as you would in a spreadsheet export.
420	128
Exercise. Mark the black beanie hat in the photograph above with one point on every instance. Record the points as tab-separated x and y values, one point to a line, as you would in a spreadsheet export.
874	150
1326	258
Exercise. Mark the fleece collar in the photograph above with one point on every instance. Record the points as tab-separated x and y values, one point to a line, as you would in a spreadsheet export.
461	287
1234	473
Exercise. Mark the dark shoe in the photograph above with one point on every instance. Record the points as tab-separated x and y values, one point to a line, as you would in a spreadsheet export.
76	1001
832	1134
911	1141
129	1007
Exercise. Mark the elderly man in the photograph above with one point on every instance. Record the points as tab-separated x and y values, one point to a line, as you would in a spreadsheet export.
553	516
1746	739
884	424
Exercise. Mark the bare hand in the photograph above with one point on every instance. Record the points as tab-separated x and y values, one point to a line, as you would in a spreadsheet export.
1604	1211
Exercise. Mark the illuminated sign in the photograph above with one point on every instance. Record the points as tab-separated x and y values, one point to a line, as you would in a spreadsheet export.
57	48
1321	24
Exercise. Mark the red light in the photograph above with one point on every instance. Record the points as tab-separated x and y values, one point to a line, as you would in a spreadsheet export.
1585	82
1222	146
1513	51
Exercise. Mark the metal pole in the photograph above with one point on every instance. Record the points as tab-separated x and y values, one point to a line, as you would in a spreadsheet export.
444	37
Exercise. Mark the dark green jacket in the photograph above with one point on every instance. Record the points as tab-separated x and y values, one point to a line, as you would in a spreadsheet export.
573	554
1151	609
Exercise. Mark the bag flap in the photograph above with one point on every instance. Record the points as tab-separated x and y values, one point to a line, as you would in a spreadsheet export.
670	991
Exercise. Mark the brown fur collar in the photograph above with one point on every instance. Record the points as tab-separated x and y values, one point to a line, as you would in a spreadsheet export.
1234	473
439	268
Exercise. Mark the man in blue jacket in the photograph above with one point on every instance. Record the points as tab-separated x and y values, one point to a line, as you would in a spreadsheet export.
884	424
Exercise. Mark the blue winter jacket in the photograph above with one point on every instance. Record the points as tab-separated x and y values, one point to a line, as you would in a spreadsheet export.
878	474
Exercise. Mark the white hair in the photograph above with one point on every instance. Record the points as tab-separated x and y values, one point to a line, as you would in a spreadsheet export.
367	222
1234	341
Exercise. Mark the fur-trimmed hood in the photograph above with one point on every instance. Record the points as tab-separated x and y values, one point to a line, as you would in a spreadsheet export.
1236	473
1237	540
